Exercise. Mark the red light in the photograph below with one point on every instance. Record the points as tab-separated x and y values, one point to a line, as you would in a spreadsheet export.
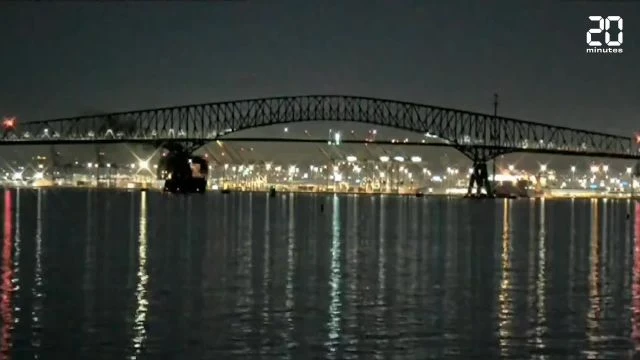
9	123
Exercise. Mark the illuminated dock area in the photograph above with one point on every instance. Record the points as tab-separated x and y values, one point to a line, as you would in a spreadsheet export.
157	185
333	167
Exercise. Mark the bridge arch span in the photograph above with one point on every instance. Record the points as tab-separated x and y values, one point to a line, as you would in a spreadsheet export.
479	136
450	125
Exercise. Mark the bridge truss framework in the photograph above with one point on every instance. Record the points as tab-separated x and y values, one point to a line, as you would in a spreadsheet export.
480	137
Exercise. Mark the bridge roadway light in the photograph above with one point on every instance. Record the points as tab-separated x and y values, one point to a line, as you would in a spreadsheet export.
398	158
416	159
384	158
573	169
543	167
352	158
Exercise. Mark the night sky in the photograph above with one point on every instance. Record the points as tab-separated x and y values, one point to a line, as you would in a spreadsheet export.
71	58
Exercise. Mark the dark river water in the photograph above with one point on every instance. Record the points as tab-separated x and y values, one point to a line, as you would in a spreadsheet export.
115	275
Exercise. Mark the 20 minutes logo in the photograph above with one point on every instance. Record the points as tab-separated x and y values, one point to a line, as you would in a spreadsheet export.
612	28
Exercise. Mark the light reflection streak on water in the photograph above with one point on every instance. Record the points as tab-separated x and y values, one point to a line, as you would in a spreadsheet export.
140	318
335	307
38	295
89	265
572	240
16	259
351	268
635	318
505	297
628	250
6	312
603	284
267	266
243	270
381	251
531	260
290	271
380	305
593	314
541	280
245	265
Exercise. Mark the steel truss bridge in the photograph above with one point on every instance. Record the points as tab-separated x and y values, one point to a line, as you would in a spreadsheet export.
481	137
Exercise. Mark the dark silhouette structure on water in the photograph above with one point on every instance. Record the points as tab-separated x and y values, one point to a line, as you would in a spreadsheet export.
183	173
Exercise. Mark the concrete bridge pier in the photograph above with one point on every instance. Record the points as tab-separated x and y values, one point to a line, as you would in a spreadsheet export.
182	171
479	178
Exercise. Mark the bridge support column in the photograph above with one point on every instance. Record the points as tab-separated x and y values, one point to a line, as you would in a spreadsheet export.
182	171
479	178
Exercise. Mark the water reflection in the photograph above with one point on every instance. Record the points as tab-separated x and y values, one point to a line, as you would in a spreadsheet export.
7	278
140	318
266	279
635	331
335	306
382	267
37	291
541	280
291	249
572	256
365	278
593	315
17	245
505	297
